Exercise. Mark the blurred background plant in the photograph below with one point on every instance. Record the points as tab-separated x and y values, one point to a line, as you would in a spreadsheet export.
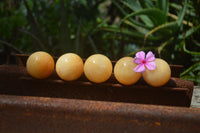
161	26
55	26
116	28
193	72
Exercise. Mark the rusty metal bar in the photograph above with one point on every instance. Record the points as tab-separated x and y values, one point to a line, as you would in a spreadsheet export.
16	71
22	114
53	105
15	81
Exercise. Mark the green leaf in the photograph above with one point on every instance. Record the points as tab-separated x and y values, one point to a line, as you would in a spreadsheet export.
196	43
134	6
193	68
182	13
163	5
123	31
190	52
138	24
147	4
191	78
128	32
163	45
189	32
179	8
84	2
135	22
169	28
119	7
156	15
141	29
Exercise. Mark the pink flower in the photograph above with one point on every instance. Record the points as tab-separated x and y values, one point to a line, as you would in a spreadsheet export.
143	62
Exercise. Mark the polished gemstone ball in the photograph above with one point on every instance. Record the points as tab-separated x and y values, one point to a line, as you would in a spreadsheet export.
124	71
160	75
40	65
98	68
69	67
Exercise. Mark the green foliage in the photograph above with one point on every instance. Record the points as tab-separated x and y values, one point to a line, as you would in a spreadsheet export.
192	41
156	16
148	22
162	26
57	27
193	72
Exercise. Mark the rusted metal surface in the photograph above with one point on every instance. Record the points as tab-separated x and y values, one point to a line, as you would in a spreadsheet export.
22	114
53	105
15	81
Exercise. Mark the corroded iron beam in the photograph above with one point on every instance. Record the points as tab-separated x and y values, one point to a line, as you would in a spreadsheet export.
15	80
22	114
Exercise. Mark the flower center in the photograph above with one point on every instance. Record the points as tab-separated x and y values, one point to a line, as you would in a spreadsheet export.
144	61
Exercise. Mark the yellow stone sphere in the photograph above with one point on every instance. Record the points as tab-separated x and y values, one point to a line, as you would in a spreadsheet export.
124	71
160	75
40	65
98	68
69	67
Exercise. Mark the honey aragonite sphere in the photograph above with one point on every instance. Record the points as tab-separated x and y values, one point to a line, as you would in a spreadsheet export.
98	68
40	65
124	71
160	75
69	67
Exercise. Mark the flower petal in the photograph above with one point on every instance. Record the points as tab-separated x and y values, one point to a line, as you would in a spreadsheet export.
139	68
140	55
137	60
151	65
150	56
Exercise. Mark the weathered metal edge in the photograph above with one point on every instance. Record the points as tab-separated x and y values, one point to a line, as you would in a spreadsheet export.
19	78
22	114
